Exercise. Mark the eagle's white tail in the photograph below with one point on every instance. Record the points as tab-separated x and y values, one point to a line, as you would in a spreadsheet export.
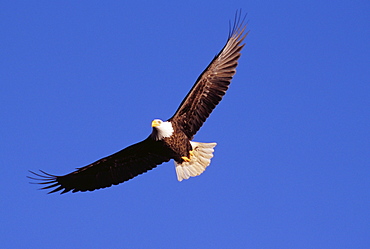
201	158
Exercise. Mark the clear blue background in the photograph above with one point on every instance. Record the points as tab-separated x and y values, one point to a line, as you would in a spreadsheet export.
83	79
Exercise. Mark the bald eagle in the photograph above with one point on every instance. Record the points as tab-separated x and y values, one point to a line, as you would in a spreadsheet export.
171	139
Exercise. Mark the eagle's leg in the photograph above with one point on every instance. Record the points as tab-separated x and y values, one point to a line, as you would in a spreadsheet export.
188	159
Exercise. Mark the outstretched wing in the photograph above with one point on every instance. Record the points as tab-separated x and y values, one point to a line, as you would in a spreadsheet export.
111	170
212	84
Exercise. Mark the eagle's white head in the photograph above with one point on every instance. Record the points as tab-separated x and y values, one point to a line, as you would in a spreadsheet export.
161	129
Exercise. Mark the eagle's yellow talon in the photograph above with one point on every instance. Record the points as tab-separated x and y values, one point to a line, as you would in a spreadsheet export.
185	158
191	153
188	159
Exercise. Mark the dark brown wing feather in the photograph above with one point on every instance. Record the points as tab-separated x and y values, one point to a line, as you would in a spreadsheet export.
212	84
112	170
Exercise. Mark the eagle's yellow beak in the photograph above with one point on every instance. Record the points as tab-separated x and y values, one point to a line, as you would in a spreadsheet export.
156	123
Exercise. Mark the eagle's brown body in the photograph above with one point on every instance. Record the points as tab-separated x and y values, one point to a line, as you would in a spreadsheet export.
179	144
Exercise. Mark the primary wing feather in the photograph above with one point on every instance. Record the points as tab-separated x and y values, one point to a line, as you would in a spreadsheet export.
212	84
111	170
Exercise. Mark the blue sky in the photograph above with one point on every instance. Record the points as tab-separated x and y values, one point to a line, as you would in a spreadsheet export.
81	80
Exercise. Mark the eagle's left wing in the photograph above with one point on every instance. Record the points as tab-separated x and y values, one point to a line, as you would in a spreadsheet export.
111	170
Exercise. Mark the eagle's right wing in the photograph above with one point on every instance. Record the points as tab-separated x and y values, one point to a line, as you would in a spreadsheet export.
212	84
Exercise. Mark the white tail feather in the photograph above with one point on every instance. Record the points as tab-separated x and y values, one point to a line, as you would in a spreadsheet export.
202	154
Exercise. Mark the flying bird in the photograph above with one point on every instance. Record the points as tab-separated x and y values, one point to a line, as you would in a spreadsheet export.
171	139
